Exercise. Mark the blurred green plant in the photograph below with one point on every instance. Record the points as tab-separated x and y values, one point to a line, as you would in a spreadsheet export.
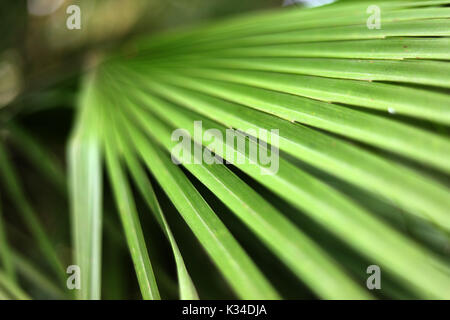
363	117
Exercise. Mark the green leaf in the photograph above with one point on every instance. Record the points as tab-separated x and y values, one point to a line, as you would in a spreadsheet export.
38	156
11	288
419	145
344	99
398	184
293	247
131	224
85	185
29	216
345	218
435	73
243	276
36	277
417	103
186	286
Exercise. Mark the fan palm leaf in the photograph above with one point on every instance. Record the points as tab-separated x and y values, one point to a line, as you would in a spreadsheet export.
362	178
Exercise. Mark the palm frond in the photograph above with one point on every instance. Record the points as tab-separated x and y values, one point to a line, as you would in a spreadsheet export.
352	105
